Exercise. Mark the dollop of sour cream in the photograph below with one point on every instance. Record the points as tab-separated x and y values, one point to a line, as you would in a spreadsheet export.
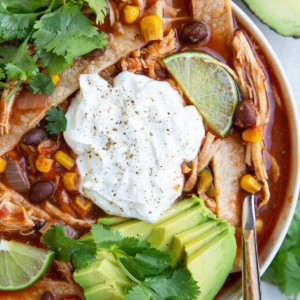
131	139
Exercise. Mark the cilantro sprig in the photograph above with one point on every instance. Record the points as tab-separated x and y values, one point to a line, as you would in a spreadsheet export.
48	33
284	270
57	121
149	269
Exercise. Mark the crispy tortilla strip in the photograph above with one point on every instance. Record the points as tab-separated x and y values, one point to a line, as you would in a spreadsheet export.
229	165
218	15
16	213
6	108
121	45
253	81
65	217
58	288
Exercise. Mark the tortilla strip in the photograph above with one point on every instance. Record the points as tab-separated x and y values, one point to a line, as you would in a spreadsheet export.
229	165
253	80
218	15
17	213
120	46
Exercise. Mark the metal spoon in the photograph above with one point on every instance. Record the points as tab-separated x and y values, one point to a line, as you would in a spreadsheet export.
250	271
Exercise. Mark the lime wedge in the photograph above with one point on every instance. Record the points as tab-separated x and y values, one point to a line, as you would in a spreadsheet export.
21	265
207	85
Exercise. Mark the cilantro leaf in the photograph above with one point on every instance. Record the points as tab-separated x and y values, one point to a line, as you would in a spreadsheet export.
55	63
42	84
100	9
138	293
15	25
29	6
3	85
132	246
179	285
104	237
57	121
2	74
67	32
152	261
284	270
57	240
18	64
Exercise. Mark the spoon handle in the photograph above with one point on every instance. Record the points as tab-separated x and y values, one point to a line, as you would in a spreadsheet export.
251	279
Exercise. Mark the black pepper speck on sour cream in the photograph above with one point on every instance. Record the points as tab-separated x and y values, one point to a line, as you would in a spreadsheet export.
131	140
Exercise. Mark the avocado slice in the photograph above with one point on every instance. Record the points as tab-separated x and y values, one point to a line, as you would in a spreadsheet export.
134	228
192	246
162	233
211	264
141	229
177	246
99	272
282	16
179	208
108	290
112	220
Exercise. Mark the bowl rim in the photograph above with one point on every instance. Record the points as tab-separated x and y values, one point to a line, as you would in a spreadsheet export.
275	242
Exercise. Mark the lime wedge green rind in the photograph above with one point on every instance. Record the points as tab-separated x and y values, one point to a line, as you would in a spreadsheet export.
21	265
207	85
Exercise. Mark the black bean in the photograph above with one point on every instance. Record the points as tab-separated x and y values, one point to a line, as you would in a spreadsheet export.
38	224
40	191
48	296
34	136
245	114
194	33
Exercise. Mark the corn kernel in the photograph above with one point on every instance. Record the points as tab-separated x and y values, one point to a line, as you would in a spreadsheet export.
83	203
152	28
70	180
44	164
252	135
64	159
205	181
131	13
250	184
55	78
211	192
2	164
259	225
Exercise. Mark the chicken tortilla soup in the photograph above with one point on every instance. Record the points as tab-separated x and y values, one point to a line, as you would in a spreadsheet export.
130	133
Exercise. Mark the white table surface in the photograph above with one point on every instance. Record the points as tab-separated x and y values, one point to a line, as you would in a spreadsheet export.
288	51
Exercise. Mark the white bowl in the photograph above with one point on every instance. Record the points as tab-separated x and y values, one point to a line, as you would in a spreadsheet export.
285	217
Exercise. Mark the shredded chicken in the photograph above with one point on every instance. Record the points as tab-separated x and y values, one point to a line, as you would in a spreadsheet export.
210	147
191	182
65	217
156	9
120	46
229	166
252	79
6	108
58	288
16	213
148	58
210	203
65	269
